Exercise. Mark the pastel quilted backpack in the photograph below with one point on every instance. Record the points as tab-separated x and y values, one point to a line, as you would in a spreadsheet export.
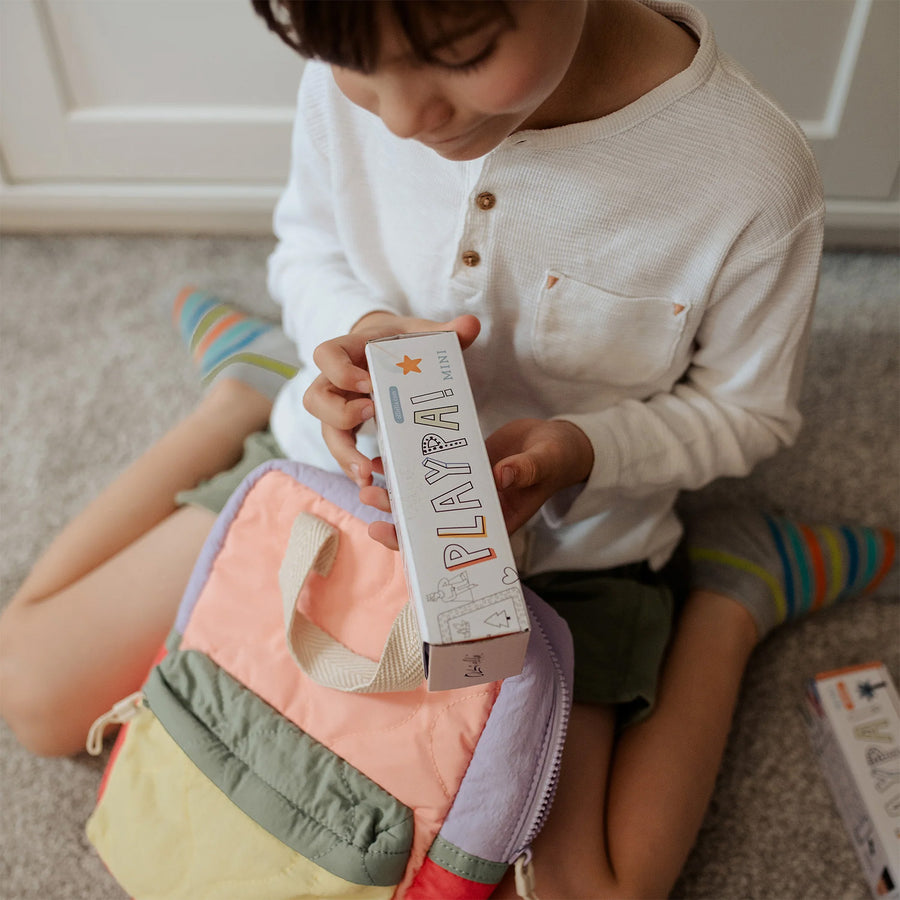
285	746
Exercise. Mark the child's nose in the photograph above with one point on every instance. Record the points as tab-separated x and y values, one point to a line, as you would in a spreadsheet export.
410	109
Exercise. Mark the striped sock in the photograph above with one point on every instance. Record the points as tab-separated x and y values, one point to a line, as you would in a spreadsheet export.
226	343
780	569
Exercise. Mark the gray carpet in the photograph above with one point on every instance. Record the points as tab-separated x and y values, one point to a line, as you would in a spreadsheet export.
91	372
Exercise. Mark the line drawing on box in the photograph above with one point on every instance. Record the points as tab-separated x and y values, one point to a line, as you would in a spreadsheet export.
874	731
453	589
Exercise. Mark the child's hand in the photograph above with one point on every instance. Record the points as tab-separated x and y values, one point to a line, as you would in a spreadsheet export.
532	459
372	495
339	397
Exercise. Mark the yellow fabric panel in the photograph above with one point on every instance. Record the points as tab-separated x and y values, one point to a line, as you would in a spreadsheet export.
166	831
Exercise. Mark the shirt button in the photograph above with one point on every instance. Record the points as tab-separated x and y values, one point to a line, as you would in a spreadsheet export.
471	258
485	200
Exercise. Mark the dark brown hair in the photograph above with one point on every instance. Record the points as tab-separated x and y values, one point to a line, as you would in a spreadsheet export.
346	33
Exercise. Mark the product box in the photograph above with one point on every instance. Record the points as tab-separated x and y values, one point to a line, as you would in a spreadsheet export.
854	720
460	570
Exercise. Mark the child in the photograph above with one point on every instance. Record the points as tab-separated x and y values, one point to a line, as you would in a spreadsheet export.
638	230
625	235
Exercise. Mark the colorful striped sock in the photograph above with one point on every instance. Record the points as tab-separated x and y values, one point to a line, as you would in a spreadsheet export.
226	343
780	569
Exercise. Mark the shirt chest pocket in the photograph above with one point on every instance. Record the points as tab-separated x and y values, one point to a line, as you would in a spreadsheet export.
585	333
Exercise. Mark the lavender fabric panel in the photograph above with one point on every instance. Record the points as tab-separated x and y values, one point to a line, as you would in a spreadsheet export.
336	488
333	487
558	635
498	793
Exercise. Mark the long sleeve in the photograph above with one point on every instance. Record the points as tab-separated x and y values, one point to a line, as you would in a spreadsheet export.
309	274
737	402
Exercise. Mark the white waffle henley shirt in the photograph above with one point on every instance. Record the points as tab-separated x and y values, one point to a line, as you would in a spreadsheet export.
648	276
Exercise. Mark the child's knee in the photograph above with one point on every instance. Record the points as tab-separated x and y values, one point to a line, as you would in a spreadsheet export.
27	702
229	397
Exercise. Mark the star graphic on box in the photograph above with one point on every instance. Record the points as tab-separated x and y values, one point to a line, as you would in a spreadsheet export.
409	365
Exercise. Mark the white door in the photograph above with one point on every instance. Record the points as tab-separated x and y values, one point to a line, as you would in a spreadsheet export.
835	66
181	106
176	113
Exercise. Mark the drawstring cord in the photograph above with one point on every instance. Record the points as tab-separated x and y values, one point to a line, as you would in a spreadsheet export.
525	883
120	713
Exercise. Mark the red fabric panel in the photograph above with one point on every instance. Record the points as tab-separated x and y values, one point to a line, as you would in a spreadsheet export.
432	882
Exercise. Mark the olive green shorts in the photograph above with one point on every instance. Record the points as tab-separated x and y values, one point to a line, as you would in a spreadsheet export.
621	619
213	494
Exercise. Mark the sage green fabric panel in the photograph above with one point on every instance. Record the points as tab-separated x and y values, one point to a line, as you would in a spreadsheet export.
173	641
448	856
289	783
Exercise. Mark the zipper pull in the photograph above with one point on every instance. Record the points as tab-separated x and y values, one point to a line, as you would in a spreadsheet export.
120	713
525	884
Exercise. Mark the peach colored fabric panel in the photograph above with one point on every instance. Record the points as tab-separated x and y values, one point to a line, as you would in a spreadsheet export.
417	745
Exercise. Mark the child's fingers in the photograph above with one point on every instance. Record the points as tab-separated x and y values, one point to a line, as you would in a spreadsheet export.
522	486
467	328
522	470
384	533
342	361
342	446
372	495
335	407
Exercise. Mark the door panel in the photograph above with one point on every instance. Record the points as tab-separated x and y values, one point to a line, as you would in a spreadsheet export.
141	112
144	90
834	65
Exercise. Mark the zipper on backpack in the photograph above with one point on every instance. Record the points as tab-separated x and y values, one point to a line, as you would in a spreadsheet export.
121	712
549	777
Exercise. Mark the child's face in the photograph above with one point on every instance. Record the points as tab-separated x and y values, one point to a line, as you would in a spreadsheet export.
493	78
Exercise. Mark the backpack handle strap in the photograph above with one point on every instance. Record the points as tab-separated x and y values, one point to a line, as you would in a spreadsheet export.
313	547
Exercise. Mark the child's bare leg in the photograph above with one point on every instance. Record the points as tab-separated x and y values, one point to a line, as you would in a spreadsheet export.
67	657
207	441
626	818
627	814
83	628
665	768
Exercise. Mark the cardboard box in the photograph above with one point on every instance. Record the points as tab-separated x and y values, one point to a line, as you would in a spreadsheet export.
460	569
854	720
